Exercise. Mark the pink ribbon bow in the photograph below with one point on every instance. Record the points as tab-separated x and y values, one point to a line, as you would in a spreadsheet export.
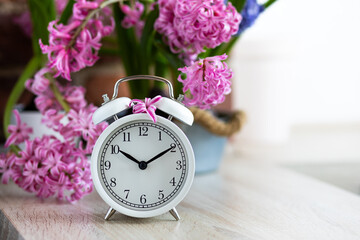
145	107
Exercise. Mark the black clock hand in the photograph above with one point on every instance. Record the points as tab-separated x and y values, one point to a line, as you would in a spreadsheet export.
160	154
130	157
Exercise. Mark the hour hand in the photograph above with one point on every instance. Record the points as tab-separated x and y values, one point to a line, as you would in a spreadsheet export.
130	157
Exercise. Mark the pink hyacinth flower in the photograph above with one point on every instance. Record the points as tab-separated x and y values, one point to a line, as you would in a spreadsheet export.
19	132
71	49
145	107
207	80
8	168
33	175
132	17
50	167
40	83
188	26
81	122
82	8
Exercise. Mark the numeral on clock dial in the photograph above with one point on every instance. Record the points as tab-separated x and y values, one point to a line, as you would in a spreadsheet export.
173	181
178	165
126	136
161	194
143	199
113	182
126	191
107	165
173	145
143	131
115	149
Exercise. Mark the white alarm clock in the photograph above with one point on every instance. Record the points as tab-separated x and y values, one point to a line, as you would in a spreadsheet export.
142	168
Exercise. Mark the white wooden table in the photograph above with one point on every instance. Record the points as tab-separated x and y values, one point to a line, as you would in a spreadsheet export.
244	200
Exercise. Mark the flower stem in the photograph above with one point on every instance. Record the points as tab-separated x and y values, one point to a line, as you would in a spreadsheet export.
268	3
58	95
18	89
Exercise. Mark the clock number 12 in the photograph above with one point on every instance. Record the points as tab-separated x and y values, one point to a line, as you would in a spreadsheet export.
143	131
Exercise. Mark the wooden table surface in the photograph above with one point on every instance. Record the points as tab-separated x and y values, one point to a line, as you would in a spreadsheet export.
243	200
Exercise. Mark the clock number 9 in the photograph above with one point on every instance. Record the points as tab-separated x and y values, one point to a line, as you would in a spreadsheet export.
143	199
112	182
107	165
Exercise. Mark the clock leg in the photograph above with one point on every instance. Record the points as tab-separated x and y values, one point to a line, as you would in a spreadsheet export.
109	213
175	214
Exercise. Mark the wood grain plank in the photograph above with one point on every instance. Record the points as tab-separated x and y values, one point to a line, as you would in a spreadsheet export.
7	230
244	200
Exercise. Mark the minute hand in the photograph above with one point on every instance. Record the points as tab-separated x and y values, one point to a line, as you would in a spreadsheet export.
159	155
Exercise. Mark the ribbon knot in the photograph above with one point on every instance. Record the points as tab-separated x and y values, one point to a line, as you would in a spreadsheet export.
145	107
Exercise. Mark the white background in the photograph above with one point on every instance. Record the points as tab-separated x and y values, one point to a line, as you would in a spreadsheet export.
299	64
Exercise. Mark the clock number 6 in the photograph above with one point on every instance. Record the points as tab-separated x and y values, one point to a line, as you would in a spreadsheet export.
143	199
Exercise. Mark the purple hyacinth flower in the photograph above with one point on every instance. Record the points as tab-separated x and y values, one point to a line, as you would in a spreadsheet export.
250	13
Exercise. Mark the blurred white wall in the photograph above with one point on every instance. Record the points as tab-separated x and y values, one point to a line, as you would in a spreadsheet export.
299	64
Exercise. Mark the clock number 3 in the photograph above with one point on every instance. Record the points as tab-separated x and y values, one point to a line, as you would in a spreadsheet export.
178	165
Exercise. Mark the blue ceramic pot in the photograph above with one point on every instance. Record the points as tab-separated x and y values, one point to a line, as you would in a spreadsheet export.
208	148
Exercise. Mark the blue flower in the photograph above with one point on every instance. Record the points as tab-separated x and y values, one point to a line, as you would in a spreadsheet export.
249	14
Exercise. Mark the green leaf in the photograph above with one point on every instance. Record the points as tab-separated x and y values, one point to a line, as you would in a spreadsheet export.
129	51
18	89
42	12
161	65
66	14
173	59
238	4
123	42
224	47
147	39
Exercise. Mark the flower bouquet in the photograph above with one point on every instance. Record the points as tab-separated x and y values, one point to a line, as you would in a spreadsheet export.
185	40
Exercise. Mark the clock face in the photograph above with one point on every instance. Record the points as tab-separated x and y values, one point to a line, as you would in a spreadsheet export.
142	166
